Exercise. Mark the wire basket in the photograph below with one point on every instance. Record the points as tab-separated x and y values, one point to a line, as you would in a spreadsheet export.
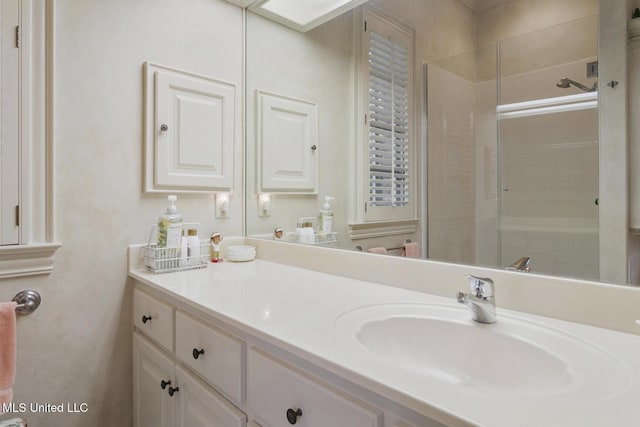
328	239
167	260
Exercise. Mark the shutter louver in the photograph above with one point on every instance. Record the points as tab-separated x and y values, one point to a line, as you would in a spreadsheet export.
388	122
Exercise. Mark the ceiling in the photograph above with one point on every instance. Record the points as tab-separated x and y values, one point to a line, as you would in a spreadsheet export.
479	5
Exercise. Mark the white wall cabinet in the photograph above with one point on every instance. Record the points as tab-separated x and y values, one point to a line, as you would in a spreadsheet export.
287	144
218	377
189	131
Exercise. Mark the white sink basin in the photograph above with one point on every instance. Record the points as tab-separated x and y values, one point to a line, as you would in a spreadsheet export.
442	343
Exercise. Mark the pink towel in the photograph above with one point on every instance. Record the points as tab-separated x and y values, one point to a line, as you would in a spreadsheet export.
381	251
412	250
7	351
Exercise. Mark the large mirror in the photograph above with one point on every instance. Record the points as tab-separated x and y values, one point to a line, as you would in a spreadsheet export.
501	133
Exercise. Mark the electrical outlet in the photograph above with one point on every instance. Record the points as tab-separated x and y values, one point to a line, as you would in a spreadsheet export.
222	205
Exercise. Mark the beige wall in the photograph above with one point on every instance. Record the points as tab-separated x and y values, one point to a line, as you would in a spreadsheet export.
77	346
519	17
316	66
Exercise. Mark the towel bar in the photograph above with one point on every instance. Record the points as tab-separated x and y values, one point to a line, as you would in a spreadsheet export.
27	301
359	248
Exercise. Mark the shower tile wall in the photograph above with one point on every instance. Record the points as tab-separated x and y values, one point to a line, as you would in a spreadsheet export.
451	165
549	180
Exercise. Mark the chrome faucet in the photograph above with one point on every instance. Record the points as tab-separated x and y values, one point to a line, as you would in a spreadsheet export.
481	299
520	265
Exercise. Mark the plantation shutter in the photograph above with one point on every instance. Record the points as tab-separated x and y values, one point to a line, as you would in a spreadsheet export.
389	84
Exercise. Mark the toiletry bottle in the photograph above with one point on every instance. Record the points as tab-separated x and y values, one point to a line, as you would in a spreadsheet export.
325	218
170	226
193	246
308	233
184	251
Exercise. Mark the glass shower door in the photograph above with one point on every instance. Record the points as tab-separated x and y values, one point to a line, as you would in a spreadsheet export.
548	150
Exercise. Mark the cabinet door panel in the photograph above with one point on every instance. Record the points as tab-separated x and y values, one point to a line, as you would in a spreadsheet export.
199	406
287	135
9	122
190	131
153	407
277	391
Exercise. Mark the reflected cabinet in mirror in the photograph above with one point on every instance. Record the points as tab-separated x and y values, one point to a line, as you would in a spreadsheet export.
463	131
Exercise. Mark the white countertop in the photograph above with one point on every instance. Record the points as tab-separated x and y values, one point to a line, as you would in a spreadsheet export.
298	310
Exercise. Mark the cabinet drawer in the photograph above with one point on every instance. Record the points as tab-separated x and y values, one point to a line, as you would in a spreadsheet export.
153	318
214	355
277	390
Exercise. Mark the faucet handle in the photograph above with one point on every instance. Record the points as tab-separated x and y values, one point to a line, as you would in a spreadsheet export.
481	287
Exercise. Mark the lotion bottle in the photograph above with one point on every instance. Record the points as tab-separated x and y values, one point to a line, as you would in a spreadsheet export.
184	251
193	246
170	226
325	217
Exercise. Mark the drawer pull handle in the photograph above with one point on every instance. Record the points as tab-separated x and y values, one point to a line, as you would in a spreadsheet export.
145	319
196	353
173	390
164	384
292	416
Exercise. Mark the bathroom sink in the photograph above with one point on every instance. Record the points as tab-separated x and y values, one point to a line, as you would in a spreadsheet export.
442	343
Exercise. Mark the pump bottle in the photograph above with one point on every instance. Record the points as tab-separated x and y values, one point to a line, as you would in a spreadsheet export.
325	217
170	226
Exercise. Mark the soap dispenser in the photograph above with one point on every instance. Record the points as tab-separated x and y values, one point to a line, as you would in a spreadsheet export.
325	217
170	226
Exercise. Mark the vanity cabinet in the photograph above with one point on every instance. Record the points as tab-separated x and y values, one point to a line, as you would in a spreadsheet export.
166	395
217	376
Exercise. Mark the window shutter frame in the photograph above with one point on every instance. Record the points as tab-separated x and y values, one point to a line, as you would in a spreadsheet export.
387	149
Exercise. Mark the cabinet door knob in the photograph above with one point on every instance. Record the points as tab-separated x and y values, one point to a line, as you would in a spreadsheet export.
313	147
173	390
292	416
164	384
196	353
145	319
164	128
